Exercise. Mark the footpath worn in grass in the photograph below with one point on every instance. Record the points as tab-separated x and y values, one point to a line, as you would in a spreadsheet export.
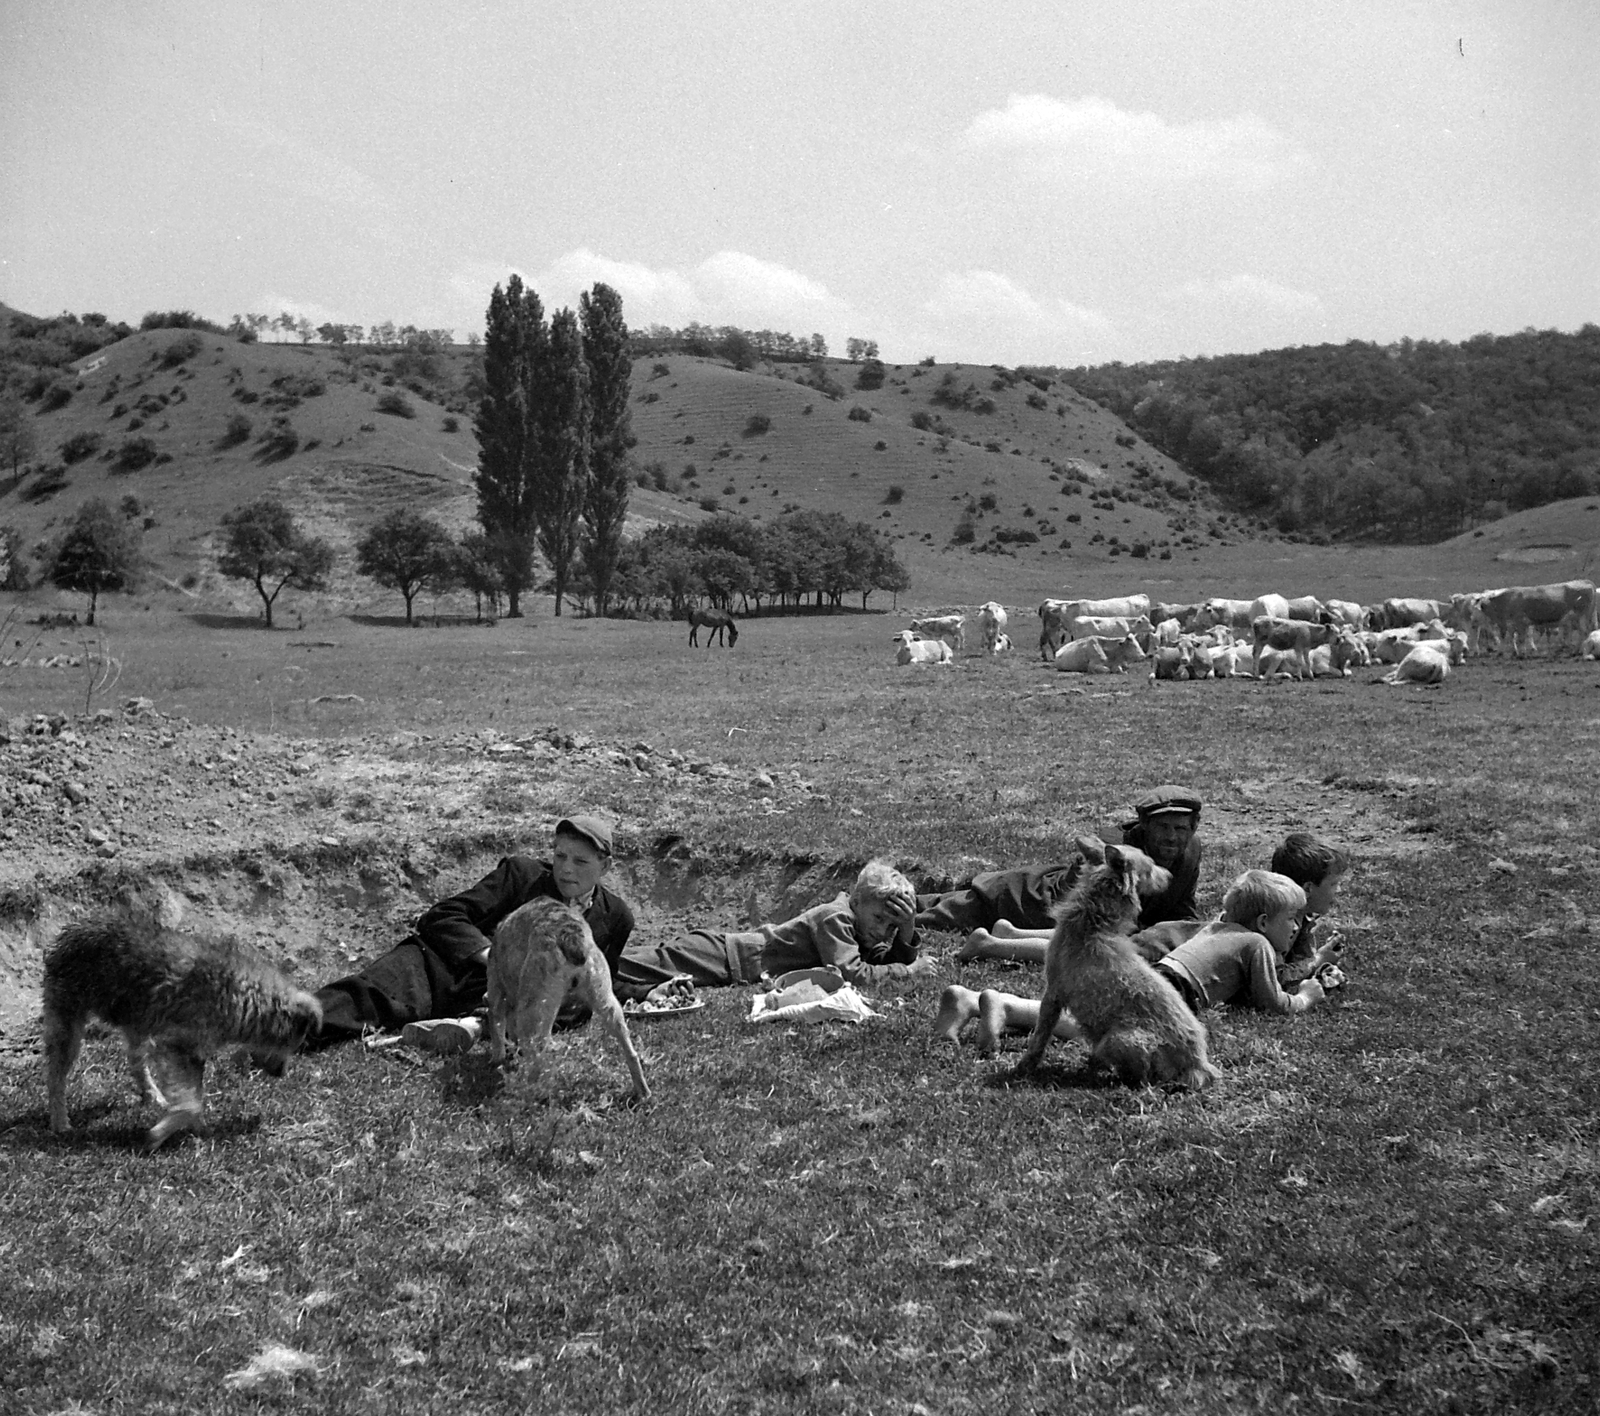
1390	1204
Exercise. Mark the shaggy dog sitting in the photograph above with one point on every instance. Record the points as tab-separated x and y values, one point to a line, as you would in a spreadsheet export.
543	956
178	999
1133	1019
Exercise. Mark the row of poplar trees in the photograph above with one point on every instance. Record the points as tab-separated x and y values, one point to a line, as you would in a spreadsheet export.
553	435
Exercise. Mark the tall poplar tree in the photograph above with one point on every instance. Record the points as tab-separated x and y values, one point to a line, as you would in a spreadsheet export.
605	348
560	484
514	350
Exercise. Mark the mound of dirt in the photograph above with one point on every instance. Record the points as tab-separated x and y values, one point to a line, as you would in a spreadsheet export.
323	853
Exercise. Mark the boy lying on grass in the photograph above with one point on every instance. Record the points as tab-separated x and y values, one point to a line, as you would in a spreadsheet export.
1235	960
867	933
430	984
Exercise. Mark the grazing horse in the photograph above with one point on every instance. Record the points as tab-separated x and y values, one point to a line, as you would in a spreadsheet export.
717	622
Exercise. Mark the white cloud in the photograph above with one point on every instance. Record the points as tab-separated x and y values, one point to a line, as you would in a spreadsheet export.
981	314
1092	139
1247	293
728	288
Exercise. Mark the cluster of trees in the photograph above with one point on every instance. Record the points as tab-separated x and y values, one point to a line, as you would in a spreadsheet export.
741	347
386	336
803	554
554	433
1408	442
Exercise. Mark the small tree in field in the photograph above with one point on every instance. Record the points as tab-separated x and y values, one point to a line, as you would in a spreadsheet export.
262	544
99	552
17	438
405	552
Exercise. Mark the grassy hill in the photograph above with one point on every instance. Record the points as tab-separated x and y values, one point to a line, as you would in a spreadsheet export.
1017	458
1025	459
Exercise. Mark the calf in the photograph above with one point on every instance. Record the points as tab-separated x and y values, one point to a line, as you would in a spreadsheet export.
992	620
1301	637
921	651
950	628
1173	661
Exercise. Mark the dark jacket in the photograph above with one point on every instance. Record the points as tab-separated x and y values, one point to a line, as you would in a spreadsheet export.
462	925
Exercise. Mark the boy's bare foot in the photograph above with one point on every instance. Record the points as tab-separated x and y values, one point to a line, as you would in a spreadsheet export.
991	1021
957	1007
976	946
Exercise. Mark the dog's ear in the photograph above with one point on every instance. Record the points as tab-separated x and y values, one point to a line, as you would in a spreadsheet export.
1091	848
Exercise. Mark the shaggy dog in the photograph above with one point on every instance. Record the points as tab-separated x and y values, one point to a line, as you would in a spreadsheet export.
543	956
1133	1019
178	999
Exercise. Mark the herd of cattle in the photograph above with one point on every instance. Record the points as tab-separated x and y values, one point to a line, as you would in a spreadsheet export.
1274	637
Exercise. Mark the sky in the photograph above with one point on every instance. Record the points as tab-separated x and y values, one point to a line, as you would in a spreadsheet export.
1042	183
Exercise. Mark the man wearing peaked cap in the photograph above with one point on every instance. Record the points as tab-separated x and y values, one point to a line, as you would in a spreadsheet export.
1163	825
432	981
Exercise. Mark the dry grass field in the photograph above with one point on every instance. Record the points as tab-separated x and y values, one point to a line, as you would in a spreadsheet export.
1390	1204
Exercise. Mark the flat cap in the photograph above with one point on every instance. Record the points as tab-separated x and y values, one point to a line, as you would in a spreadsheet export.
588	828
1165	801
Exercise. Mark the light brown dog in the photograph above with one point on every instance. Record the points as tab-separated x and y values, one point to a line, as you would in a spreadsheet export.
178	999
543	955
1133	1019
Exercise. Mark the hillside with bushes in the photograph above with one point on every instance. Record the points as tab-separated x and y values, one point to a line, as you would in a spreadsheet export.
1409	442
182	420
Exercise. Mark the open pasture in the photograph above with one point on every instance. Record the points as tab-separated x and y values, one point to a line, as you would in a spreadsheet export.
1389	1204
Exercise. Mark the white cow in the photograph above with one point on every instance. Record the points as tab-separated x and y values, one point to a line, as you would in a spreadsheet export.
1111	627
921	651
1082	656
1522	610
1298	636
1307	607
1235	614
1232	661
992	620
1281	664
1347	613
1273	606
950	628
1427	663
1106	655
1169	632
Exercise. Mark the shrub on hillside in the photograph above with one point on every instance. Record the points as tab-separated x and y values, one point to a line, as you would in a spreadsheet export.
757	424
895	495
858	414
710	504
181	350
134	454
49	481
56	395
871	375
922	419
396	403
451	425
79	446
279	440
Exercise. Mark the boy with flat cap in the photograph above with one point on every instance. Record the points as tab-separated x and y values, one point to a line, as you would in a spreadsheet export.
1016	904
432	981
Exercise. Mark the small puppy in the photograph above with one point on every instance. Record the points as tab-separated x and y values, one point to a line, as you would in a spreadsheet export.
543	955
1133	1019
178	999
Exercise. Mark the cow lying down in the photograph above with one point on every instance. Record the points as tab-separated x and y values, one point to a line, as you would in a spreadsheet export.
1098	656
921	651
1428	663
